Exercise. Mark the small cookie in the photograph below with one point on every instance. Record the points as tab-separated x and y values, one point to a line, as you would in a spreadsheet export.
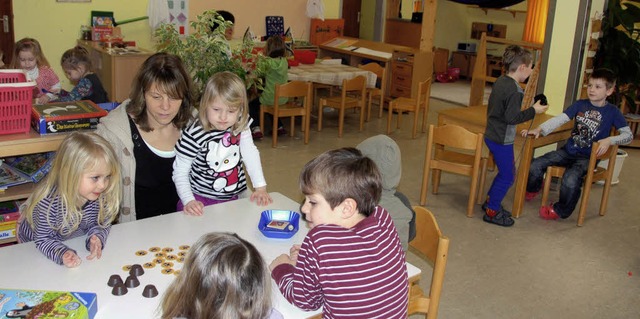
167	264
184	247
148	265
141	252
172	257
167	249
167	271
176	272
160	254
126	268
180	259
182	253
158	261
154	249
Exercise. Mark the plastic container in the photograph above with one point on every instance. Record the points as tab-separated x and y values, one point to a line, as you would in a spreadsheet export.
16	99
286	216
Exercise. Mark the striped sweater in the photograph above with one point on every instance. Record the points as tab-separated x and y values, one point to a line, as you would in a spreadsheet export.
356	273
48	240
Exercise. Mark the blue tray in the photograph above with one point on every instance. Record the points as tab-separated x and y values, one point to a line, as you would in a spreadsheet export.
268	216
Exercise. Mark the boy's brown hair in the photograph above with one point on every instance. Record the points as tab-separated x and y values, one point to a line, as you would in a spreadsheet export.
604	74
340	174
514	56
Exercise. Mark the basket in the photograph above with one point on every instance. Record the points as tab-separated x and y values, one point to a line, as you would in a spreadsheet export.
16	96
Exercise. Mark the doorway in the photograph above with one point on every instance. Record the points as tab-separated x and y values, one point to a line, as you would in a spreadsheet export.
7	40
369	22
351	11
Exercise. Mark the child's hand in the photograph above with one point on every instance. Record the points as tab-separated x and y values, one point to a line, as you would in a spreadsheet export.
194	207
95	248
540	108
282	259
535	132
294	251
604	146
43	99
70	259
261	197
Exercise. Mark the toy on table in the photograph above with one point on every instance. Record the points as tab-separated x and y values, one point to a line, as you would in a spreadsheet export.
279	223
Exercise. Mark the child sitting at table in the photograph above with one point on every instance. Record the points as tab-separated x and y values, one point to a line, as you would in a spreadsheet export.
351	262
77	67
28	56
276	68
210	154
594	119
224	276
80	195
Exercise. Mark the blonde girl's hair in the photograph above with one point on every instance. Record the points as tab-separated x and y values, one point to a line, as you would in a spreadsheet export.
229	89
224	277
28	44
79	152
74	58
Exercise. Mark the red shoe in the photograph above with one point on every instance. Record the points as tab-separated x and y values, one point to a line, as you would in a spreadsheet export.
529	196
548	213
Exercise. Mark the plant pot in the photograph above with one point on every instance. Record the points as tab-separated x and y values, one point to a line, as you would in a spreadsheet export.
616	170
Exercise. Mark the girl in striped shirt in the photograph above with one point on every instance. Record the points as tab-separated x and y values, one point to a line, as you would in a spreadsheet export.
81	195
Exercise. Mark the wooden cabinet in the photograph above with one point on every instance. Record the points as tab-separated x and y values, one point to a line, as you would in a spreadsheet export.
115	70
466	62
22	144
408	69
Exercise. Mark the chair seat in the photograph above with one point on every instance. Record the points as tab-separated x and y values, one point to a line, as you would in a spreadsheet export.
335	102
413	105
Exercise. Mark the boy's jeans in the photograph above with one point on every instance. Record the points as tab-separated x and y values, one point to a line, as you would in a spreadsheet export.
576	170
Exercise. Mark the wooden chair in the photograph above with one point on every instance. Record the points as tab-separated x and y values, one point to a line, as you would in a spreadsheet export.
594	174
453	149
293	108
352	96
403	104
381	74
431	244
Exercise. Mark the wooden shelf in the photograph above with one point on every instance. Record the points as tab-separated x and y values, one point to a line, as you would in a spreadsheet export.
486	10
8	240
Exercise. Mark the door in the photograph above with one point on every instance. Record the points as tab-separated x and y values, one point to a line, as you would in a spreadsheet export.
351	16
6	30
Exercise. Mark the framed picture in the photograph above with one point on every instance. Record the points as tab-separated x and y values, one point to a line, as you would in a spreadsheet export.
73	0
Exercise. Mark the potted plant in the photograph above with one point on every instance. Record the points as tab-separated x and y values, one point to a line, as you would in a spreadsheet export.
206	52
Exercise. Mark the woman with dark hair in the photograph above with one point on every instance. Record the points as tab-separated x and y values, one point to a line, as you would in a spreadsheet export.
143	131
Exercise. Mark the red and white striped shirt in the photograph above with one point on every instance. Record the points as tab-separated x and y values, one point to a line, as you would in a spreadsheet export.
352	273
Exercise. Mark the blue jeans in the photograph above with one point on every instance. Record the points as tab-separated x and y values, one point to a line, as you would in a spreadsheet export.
575	171
503	156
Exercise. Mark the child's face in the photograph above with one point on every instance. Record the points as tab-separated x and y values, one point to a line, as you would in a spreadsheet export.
161	108
27	60
598	92
221	116
94	181
317	211
74	75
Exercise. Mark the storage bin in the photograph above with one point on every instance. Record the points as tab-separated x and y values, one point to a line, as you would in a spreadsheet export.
16	98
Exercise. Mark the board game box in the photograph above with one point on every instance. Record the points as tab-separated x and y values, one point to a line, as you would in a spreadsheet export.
16	303
65	116
33	167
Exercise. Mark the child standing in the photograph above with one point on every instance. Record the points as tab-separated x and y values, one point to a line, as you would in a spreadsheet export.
209	155
276	68
28	56
77	67
503	114
594	119
351	262
224	276
81	195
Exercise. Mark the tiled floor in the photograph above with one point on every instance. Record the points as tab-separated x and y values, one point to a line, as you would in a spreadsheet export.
536	269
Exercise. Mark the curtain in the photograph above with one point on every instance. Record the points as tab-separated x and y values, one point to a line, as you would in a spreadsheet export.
535	25
489	3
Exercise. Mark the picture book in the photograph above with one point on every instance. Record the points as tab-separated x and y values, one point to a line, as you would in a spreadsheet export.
65	116
8	231
9	177
9	211
34	167
15	303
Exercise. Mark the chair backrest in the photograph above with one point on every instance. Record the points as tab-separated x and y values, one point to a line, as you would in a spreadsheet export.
376	69
455	136
354	85
424	92
600	173
292	89
431	244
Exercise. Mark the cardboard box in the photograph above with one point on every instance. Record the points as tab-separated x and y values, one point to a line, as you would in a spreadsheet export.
100	33
65	116
15	303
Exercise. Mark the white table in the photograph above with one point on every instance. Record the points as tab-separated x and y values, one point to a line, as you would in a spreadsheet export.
331	74
24	267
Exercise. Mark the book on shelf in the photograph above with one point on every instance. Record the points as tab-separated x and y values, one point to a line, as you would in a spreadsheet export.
9	211
32	167
65	116
24	303
10	177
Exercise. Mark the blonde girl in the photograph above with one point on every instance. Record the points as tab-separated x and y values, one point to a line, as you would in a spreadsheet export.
77	67
28	56
211	151
224	277
80	195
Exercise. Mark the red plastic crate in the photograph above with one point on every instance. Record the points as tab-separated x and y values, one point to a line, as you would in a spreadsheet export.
16	99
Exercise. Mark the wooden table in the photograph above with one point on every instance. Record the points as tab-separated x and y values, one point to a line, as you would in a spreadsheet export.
24	267
474	118
332	74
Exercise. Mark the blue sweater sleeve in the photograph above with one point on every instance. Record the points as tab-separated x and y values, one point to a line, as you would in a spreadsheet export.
79	92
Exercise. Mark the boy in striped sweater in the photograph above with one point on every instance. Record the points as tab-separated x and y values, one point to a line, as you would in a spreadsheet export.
351	262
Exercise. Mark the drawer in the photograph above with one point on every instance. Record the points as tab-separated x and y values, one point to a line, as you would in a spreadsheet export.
400	91
401	79
404	69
